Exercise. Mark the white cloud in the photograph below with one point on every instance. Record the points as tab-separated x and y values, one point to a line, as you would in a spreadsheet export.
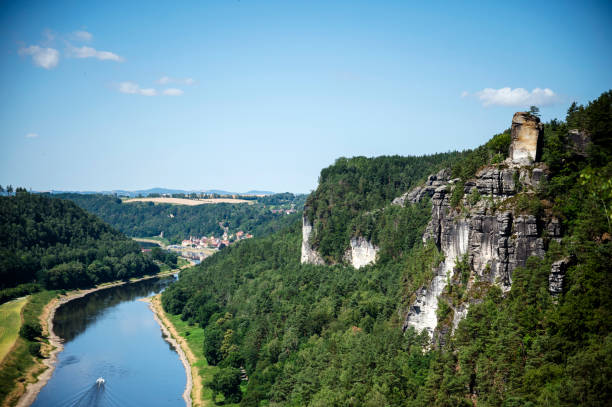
165	80
133	89
516	97
173	92
88	52
148	92
31	135
82	36
44	57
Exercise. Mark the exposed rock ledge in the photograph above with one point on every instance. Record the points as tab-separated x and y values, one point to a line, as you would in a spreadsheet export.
361	253
495	242
422	313
309	254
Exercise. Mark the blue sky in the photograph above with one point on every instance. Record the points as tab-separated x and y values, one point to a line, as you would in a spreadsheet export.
241	95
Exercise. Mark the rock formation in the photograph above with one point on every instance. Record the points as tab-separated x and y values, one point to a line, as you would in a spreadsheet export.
557	275
495	239
361	253
526	138
422	313
309	254
418	193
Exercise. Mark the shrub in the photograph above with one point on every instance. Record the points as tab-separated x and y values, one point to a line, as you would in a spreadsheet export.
34	349
30	330
457	195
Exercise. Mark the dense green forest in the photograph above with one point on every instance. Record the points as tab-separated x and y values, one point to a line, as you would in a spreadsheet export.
331	335
52	243
352	189
178	222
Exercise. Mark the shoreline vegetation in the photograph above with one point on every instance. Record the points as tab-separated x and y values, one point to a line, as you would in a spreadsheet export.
193	388
190	338
36	375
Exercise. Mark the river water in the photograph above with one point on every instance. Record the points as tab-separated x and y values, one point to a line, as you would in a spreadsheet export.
110	334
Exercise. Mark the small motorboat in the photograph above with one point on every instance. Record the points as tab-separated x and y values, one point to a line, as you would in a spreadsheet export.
100	381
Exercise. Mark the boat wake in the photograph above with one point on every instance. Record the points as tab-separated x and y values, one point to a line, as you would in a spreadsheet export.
96	395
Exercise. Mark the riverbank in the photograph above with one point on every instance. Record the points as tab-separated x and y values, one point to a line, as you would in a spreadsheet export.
54	346
184	351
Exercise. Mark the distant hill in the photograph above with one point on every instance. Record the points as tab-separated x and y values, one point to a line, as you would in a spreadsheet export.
177	222
145	192
256	192
56	244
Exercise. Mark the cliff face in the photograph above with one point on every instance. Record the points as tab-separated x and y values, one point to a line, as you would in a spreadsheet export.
498	240
361	252
488	232
309	254
487	229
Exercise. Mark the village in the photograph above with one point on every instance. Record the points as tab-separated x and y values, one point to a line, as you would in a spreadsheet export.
213	242
198	248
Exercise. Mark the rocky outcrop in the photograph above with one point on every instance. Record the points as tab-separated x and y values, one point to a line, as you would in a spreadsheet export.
417	194
309	254
526	139
495	241
495	238
556	276
361	253
422	313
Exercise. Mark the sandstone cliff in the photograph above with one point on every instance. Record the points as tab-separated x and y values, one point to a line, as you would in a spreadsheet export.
485	228
309	254
361	251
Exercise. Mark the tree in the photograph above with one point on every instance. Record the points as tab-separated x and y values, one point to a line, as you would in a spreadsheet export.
534	111
213	339
30	330
227	382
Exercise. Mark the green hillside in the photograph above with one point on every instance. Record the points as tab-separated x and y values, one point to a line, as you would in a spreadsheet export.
143	219
52	243
331	335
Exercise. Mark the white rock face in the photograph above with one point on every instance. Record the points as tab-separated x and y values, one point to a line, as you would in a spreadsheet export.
459	314
361	253
422	314
526	138
309	255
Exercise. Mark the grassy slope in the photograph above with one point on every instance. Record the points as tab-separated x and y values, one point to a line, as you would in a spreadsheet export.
19	367
10	322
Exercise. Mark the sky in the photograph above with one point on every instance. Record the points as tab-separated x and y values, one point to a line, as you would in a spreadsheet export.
254	94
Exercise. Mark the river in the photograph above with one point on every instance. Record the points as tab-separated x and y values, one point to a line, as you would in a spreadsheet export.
110	334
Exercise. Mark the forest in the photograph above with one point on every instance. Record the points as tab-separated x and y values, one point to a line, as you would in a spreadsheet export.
51	243
177	222
331	335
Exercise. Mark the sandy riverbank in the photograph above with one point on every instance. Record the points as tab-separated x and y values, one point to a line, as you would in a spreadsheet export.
55	342
193	389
